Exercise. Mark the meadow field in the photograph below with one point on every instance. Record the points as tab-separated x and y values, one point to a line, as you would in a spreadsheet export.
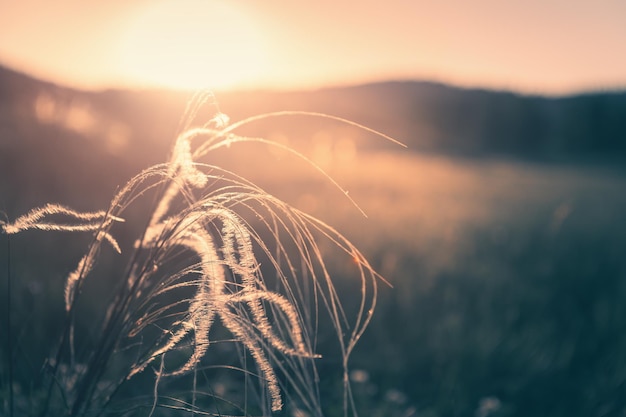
502	290
507	280
507	283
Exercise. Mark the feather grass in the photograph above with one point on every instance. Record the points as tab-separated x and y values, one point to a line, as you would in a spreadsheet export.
201	268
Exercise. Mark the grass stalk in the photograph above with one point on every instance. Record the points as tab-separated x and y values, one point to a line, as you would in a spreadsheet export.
208	231
9	332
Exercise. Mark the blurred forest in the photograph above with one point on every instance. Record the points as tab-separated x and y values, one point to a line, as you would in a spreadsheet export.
501	228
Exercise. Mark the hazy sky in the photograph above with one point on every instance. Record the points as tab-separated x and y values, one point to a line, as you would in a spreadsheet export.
545	46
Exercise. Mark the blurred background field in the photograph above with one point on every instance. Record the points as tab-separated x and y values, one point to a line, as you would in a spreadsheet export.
501	228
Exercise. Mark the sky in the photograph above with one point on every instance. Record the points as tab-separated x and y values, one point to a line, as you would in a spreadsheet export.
531	46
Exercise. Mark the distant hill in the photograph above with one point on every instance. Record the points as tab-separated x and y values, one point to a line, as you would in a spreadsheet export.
439	118
48	133
426	116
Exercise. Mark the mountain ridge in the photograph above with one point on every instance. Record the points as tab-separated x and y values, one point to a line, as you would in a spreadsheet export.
427	116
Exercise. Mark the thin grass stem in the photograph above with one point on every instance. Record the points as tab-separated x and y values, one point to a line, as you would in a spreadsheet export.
9	333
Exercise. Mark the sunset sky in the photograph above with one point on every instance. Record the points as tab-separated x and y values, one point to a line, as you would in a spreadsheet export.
534	46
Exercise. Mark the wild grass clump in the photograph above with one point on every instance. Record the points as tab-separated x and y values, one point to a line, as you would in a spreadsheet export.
214	266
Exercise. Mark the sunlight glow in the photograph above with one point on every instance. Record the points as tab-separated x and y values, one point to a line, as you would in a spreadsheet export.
193	44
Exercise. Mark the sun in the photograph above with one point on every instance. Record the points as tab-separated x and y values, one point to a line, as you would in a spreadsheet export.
191	44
